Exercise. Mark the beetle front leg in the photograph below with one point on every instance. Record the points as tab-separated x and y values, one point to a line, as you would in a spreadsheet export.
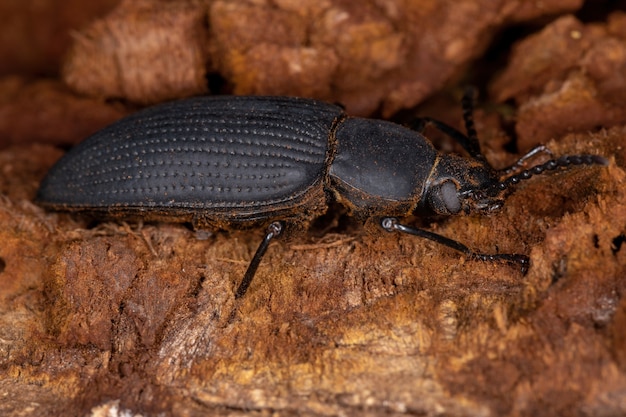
523	160
470	144
392	224
273	230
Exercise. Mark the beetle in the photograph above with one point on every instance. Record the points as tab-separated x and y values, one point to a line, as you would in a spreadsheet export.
277	162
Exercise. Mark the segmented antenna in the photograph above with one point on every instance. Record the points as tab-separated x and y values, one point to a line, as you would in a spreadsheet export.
468	102
553	164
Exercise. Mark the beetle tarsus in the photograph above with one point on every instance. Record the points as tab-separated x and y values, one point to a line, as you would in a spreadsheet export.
273	230
522	261
392	224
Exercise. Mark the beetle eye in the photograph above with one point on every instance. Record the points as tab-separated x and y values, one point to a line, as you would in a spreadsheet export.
444	198
450	197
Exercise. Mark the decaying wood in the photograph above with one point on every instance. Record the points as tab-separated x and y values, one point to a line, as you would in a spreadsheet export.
368	55
103	317
568	77
380	323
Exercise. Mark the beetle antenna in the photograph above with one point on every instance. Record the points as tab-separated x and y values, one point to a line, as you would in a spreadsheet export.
551	165
467	103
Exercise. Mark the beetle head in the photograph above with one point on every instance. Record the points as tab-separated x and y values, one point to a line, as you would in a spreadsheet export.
459	184
471	185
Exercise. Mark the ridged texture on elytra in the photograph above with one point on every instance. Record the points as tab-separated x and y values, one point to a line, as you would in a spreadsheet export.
207	152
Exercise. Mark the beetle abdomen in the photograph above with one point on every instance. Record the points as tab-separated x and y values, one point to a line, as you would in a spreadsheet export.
202	153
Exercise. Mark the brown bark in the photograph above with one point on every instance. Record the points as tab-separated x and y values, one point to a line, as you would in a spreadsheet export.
102	317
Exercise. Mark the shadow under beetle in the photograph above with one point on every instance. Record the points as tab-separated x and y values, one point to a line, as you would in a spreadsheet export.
226	162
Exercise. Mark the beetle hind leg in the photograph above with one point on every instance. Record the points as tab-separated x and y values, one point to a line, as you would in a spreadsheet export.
273	230
391	224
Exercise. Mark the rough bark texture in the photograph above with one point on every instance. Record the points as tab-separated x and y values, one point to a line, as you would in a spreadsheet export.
35	34
100	318
144	51
568	77
46	111
367	55
352	322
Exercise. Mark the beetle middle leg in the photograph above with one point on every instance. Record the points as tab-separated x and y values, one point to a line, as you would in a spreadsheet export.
273	230
392	224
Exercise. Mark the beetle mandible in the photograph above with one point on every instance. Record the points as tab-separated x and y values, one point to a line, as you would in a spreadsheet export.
276	162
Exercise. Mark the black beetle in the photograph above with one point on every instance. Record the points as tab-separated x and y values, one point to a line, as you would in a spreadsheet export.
226	161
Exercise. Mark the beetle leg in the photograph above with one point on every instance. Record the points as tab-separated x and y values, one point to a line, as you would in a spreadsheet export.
522	162
470	144
273	230
391	224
